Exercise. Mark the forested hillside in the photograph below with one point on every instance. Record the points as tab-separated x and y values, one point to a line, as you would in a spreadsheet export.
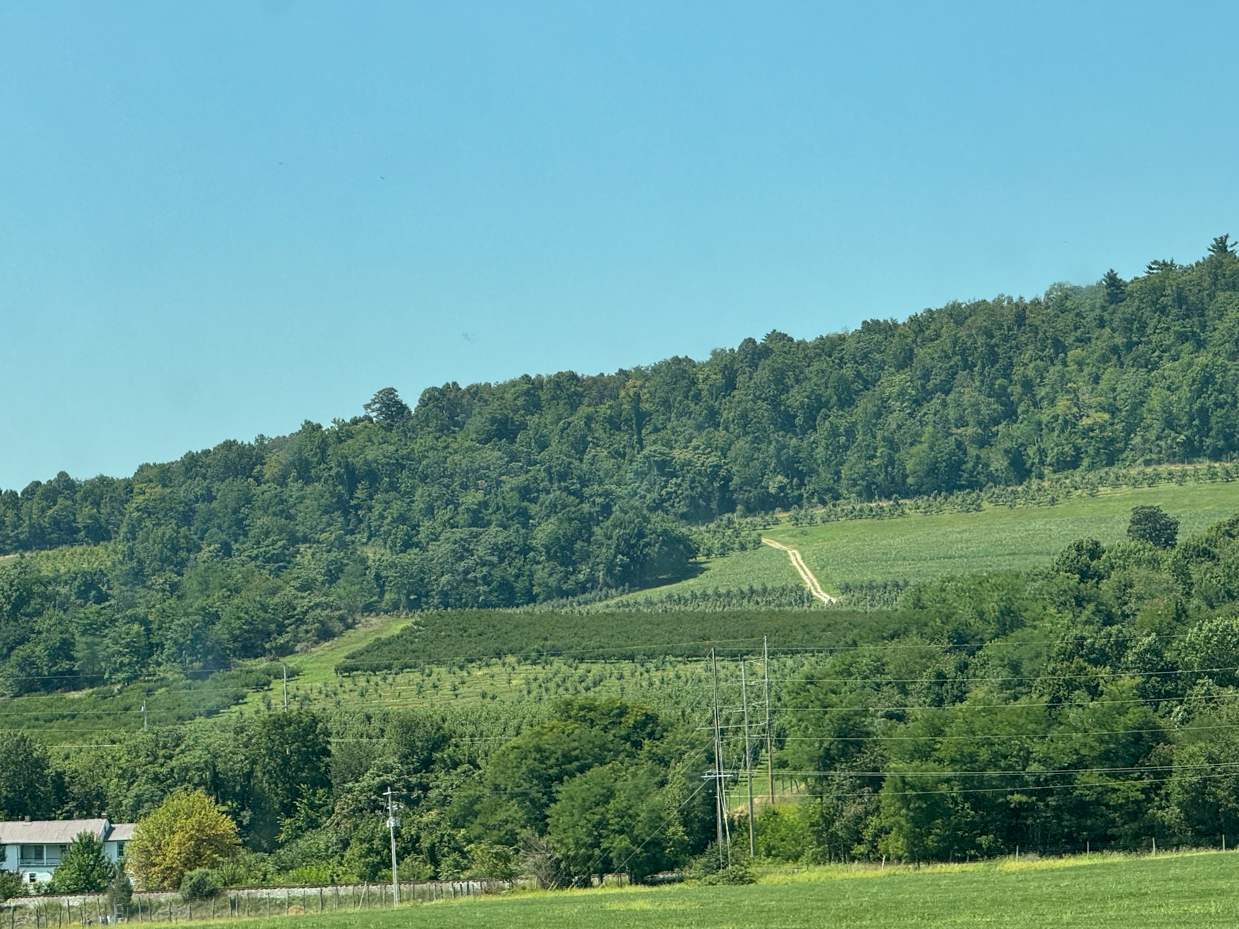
548	487
1087	703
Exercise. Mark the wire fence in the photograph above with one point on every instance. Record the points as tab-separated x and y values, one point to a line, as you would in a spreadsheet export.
51	912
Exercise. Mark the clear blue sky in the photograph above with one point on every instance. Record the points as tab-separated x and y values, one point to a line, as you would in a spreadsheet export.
221	219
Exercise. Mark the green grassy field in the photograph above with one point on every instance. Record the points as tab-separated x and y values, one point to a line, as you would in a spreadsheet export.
919	548
1195	890
753	568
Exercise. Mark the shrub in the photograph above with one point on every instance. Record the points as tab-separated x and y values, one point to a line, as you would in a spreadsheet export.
120	892
11	885
199	884
496	862
707	869
246	869
783	833
732	874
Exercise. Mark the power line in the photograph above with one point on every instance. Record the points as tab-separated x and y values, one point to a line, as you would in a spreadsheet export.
1034	735
1021	788
1130	769
996	680
960	707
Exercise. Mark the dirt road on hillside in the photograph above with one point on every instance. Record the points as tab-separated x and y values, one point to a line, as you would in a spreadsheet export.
810	581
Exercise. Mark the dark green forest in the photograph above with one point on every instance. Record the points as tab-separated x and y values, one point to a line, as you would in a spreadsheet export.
550	487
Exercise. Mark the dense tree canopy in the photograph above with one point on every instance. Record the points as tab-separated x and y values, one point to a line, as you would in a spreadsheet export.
1088	702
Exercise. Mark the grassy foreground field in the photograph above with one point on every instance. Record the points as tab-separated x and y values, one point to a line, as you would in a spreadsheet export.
1193	890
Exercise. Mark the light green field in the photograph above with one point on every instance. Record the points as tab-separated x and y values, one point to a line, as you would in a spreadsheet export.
918	548
752	568
1196	891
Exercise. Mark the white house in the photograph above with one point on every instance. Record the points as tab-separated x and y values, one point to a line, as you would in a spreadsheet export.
34	849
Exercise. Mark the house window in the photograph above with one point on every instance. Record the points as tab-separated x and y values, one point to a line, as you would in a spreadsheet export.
32	855
55	853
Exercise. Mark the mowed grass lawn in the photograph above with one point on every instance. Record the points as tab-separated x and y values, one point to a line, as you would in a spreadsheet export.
918	548
1195	891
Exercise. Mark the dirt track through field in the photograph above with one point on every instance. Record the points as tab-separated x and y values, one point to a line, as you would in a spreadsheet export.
810	581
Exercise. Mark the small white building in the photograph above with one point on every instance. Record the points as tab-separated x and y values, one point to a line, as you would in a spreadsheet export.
34	849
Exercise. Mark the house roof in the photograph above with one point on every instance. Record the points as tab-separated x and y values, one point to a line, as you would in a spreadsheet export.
121	832
55	832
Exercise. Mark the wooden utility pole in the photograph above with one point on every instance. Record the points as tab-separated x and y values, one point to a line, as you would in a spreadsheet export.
748	769
765	653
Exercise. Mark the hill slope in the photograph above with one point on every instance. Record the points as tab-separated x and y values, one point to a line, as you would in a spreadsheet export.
851	557
549	487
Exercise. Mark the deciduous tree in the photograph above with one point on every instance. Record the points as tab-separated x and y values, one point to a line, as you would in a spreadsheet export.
187	831
84	869
1154	525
